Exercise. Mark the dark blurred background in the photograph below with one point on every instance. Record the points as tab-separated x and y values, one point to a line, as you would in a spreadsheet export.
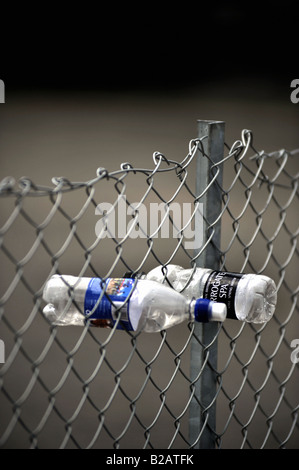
140	77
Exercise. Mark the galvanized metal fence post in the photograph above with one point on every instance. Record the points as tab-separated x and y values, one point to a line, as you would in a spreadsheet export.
202	419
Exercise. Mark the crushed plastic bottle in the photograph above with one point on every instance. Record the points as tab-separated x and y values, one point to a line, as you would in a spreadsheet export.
248	297
135	305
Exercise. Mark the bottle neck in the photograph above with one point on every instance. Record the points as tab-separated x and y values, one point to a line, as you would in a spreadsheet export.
192	310
200	310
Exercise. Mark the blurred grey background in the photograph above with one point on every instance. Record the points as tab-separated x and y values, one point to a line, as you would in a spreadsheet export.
61	133
113	104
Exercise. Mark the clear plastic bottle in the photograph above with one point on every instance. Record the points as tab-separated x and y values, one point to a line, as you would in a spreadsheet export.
248	297
142	305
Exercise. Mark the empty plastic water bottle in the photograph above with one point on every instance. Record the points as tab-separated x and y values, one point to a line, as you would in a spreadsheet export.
248	297
135	305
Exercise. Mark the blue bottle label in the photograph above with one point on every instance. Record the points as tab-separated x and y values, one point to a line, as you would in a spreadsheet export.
109	300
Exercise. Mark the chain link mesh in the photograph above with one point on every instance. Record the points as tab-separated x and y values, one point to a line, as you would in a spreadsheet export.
66	387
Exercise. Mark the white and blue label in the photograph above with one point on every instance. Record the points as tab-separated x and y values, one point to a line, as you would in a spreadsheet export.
112	304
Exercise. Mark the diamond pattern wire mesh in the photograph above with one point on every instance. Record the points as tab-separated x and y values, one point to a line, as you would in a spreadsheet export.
91	387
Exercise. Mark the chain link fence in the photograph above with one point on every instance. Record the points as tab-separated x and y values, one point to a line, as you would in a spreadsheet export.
232	385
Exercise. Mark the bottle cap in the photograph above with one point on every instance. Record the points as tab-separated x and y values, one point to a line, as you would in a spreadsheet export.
206	310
